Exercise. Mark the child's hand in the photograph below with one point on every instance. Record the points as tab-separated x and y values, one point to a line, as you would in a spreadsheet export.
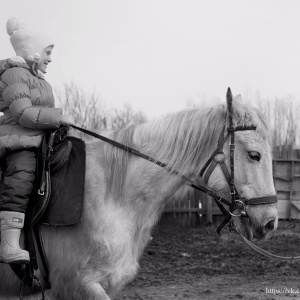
67	120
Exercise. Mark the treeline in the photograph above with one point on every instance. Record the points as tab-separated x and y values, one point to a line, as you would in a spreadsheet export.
90	112
281	114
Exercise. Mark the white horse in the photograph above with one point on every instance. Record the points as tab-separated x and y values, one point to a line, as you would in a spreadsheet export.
125	196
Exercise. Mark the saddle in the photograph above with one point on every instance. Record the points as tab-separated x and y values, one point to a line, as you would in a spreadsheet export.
57	196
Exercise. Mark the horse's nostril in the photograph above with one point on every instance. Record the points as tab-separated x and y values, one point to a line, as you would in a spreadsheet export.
270	225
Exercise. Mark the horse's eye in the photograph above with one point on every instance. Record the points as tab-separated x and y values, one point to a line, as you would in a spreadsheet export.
254	155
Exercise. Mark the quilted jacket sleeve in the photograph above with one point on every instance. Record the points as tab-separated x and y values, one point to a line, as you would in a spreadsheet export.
3	66
17	95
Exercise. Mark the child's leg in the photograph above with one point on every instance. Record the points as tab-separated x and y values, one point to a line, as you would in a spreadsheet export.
18	184
18	181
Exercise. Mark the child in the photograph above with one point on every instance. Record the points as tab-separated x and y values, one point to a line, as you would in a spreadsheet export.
27	103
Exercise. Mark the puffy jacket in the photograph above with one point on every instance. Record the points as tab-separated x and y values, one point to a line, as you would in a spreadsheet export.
27	103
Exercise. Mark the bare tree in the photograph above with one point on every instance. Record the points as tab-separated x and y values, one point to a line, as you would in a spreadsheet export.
125	115
285	126
87	108
90	112
281	114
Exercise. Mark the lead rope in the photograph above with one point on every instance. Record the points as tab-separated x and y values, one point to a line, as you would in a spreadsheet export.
266	253
262	251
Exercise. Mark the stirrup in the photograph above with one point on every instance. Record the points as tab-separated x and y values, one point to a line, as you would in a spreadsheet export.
23	283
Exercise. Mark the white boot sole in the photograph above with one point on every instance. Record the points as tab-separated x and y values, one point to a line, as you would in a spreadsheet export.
22	259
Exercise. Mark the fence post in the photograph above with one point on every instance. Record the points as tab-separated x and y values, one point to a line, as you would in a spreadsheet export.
208	202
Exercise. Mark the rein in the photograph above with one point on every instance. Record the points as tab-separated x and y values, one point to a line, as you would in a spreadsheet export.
199	185
262	251
237	202
218	157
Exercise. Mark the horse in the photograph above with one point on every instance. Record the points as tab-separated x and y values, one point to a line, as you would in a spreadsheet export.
125	195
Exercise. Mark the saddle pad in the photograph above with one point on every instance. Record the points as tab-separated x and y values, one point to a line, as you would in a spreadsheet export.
67	188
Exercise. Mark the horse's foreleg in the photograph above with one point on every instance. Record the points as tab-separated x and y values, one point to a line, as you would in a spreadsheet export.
80	288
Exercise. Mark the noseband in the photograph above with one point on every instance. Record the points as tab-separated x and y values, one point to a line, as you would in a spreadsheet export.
218	158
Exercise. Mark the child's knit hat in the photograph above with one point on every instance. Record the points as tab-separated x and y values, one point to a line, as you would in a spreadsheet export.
27	42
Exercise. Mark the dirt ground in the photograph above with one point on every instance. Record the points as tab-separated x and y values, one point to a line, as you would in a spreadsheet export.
196	263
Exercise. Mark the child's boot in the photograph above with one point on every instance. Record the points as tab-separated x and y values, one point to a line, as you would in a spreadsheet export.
11	225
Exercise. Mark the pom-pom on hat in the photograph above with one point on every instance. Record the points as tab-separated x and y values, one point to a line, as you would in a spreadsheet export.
27	43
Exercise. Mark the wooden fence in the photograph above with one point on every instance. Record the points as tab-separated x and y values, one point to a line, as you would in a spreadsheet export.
286	175
198	208
194	209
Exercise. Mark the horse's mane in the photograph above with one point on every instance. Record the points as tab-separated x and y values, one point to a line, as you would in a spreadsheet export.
183	140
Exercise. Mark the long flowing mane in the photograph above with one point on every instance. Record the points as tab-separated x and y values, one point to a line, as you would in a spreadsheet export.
183	140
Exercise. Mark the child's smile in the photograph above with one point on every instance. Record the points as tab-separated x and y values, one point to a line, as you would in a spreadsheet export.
45	59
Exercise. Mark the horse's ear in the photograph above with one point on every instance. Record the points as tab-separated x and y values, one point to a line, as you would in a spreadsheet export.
229	100
229	96
233	105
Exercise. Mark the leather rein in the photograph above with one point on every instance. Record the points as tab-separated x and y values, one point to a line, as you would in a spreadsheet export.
236	203
218	157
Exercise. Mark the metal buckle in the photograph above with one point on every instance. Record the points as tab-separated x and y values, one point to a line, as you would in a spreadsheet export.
50	148
41	192
242	210
219	199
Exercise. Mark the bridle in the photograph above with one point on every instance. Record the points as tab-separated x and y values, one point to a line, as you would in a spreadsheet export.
218	158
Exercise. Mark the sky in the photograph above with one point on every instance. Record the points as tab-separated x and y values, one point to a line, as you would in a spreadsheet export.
159	55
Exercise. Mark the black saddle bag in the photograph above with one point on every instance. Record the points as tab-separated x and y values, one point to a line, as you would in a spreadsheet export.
59	186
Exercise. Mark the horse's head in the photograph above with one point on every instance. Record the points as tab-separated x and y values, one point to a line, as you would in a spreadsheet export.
252	165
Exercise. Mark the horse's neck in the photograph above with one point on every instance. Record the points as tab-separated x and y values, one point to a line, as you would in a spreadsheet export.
148	182
134	214
147	187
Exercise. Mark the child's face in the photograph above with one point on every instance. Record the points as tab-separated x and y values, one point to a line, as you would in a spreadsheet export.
45	59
